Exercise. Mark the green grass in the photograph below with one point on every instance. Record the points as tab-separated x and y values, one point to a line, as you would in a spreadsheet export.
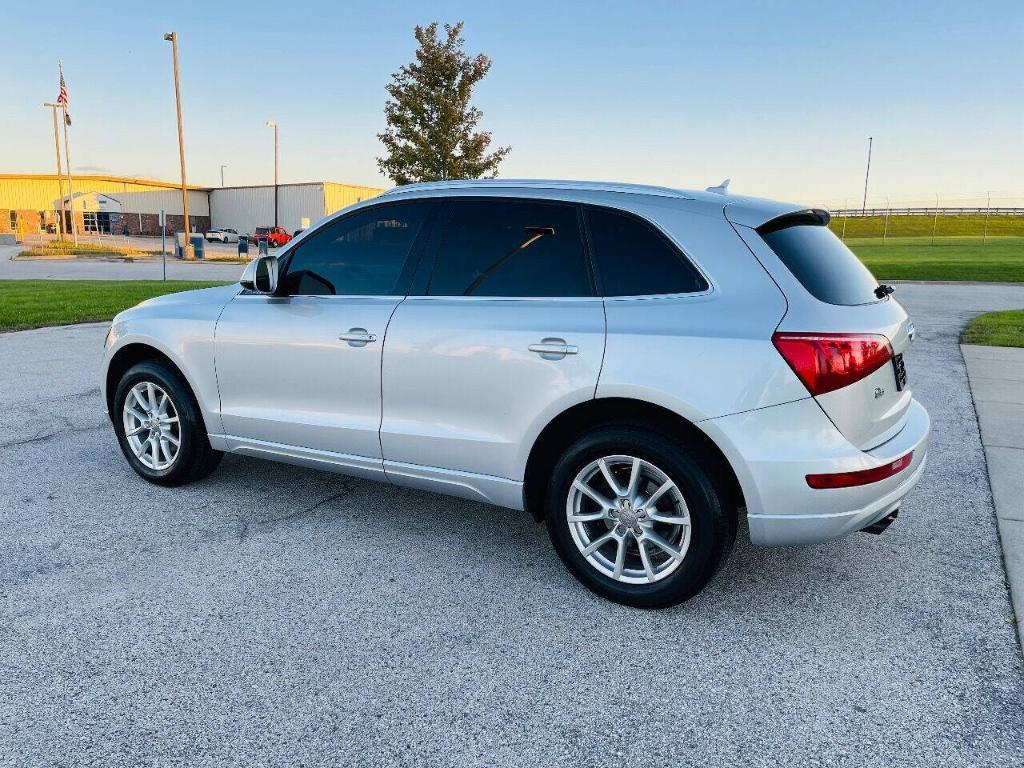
1001	260
999	329
37	303
970	225
56	248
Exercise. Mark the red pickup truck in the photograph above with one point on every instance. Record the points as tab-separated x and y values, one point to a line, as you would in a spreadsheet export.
275	236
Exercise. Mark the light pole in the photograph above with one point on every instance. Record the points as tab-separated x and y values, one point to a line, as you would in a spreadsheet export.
222	174
60	172
172	37
272	124
867	173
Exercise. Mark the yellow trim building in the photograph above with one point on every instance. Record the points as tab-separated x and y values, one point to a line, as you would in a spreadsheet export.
30	203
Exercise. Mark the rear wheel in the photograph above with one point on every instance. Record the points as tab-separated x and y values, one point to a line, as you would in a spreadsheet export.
636	517
159	427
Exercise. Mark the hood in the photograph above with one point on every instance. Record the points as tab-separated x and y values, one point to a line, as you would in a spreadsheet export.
213	297
216	295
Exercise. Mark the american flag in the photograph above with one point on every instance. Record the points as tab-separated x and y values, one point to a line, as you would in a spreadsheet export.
62	97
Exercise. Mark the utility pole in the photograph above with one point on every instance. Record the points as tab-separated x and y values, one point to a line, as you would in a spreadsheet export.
60	171
172	37
867	173
222	174
273	125
71	190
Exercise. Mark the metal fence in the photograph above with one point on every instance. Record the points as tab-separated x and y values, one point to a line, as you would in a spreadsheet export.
928	211
995	203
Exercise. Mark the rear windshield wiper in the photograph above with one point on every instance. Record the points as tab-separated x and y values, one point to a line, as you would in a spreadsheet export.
884	290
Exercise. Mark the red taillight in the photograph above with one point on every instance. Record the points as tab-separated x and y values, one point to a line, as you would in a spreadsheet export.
829	361
860	477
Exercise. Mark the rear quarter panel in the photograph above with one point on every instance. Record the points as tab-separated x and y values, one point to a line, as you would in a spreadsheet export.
700	355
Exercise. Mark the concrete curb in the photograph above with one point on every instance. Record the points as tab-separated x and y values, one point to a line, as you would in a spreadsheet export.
996	376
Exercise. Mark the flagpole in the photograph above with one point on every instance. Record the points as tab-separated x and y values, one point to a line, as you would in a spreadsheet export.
71	189
67	152
60	171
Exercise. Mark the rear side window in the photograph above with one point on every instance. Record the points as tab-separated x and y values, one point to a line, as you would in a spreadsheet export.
359	255
515	248
633	259
824	266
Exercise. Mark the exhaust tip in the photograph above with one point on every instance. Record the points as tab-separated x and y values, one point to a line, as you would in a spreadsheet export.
879	526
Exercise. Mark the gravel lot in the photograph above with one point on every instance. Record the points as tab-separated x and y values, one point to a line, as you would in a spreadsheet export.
271	615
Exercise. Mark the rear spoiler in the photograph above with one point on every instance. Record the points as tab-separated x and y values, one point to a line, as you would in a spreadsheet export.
813	217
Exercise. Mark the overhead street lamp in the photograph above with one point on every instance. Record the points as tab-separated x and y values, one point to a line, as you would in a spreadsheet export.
172	38
272	124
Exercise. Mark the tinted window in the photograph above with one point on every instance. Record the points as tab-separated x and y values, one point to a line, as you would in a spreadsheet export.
826	268
633	259
510	248
359	255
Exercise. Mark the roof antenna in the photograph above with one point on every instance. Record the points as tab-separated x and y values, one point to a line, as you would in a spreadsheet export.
721	189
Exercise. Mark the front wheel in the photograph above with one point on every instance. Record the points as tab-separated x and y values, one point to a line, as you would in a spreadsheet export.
159	426
636	517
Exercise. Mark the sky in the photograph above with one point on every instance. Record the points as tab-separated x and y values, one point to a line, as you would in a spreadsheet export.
780	97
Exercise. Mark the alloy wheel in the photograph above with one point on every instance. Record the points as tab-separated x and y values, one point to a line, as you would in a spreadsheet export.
628	519
151	425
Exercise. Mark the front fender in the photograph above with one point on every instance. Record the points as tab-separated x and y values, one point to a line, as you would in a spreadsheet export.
183	332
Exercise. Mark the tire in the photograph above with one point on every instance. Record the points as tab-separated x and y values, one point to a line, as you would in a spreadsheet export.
159	462
653	578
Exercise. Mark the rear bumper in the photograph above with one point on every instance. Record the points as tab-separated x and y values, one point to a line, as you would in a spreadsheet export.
776	448
787	530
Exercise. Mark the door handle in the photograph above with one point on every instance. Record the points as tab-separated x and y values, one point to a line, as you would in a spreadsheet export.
357	337
554	349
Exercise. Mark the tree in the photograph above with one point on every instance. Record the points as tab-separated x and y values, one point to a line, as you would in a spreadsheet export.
431	125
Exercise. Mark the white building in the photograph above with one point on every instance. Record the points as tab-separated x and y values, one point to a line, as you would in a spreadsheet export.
298	205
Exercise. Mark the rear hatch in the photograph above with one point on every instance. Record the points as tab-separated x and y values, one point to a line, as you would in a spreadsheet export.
842	334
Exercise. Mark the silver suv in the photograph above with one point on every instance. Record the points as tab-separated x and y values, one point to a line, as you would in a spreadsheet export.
639	367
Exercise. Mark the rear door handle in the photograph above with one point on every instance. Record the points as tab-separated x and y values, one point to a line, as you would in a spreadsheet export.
358	337
554	349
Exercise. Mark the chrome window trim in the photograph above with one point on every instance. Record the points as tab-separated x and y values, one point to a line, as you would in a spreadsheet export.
504	298
384	199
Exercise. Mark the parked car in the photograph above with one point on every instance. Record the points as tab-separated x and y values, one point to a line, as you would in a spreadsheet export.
275	236
222	235
638	367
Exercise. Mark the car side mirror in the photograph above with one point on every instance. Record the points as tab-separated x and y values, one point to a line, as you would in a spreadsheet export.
260	275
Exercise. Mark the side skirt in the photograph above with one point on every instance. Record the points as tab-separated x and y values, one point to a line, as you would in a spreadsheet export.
488	489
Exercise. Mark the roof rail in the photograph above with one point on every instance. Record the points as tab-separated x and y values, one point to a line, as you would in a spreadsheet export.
597	186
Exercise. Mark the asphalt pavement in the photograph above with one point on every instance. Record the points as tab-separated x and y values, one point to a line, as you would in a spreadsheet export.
111	269
271	615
